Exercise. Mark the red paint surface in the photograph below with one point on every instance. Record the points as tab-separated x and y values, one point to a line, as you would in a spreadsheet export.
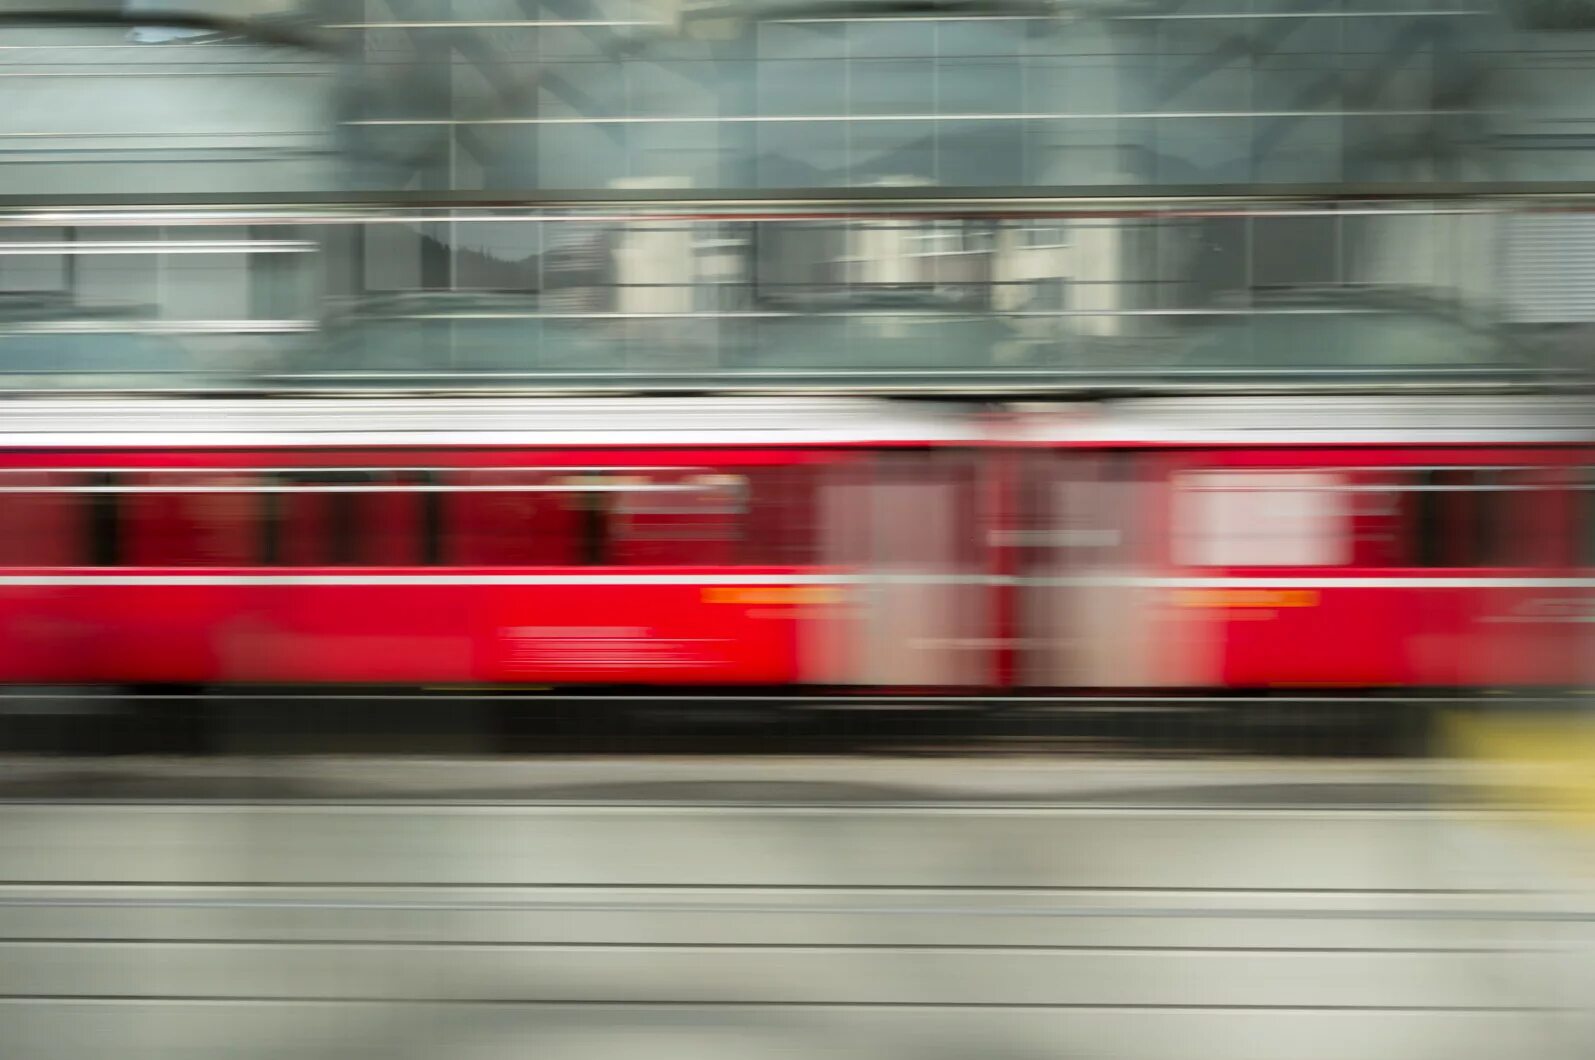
1410	635
428	633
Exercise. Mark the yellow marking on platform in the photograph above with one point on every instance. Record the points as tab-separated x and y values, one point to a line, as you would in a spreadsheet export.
1544	762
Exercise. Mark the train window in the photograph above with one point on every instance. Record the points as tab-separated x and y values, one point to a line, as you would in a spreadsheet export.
779	526
431	502
626	517
1585	516
103	509
678	518
1514	522
1540	531
338	517
1432	522
1260	519
591	499
185	519
1474	517
510	518
1378	509
43	529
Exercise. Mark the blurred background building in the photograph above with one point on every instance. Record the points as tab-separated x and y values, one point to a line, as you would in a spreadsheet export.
962	192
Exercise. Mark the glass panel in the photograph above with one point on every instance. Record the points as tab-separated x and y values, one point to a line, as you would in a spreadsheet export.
42	529
1260	519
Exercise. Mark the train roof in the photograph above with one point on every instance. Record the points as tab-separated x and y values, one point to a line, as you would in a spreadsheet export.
416	421
1435	419
245	422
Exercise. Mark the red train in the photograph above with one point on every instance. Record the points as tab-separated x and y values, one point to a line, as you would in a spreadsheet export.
1198	543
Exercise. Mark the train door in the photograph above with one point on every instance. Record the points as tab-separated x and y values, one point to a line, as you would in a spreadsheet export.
902	528
1091	611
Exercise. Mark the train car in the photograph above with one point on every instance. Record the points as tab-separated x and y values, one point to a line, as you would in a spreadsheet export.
625	542
1200	544
1324	542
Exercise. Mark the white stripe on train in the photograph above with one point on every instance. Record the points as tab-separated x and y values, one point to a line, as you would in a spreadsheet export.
1083	581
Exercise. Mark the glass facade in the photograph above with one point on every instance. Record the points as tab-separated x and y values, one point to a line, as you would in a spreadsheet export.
948	142
583	95
948	296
